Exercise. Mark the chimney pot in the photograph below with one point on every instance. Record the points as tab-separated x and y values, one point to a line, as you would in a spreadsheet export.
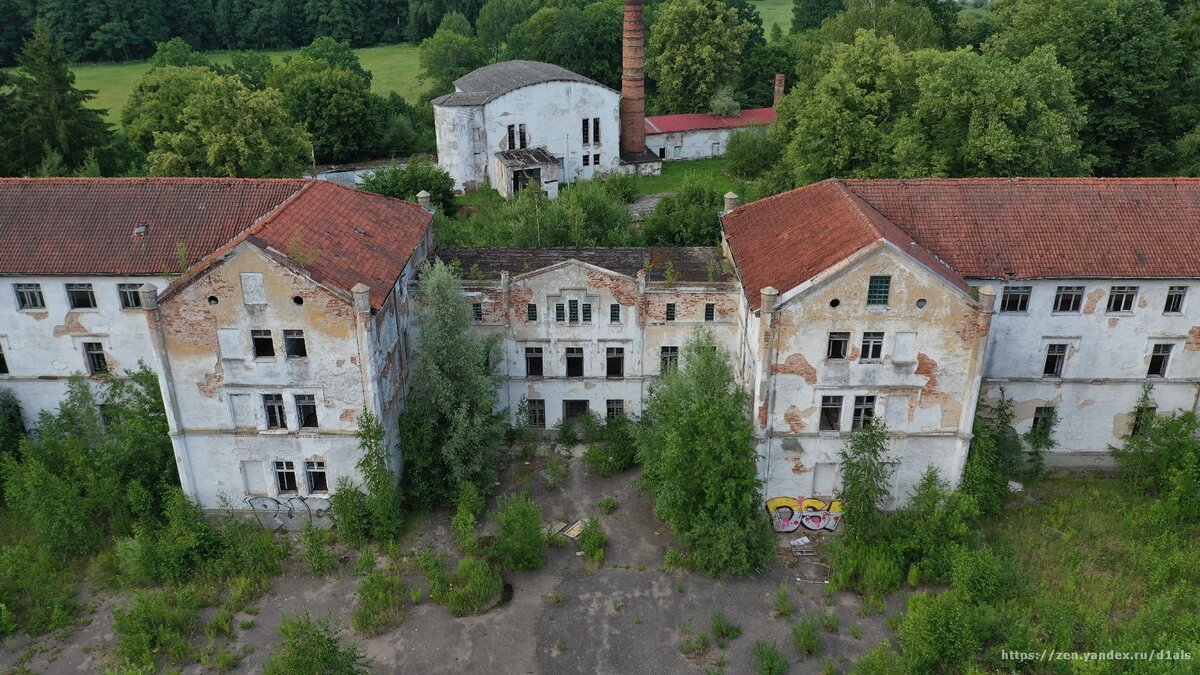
362	297
780	83
767	304
423	200
731	201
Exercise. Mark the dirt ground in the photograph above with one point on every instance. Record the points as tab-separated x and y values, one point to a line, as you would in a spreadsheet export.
628	616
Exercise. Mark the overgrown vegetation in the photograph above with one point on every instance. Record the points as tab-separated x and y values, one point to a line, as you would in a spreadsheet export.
521	540
374	510
615	447
592	541
313	646
380	603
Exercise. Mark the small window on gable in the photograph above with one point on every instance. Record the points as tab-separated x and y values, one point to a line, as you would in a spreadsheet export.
130	296
587	312
1175	295
477	311
1121	298
838	347
512	137
253	291
710	311
531	313
573	311
670	311
614	313
586	131
264	346
587	159
293	344
560	313
879	289
523	140
596	159
81	296
596	130
1015	299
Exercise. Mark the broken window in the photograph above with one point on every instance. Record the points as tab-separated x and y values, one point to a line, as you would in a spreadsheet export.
1175	295
574	361
587	312
130	297
614	313
587	159
613	408
596	159
878	290
521	136
1056	355
273	407
1068	298
1015	299
29	296
1043	418
864	411
531	312
1143	418
533	362
80	296
831	413
573	311
1120	298
293	344
477	311
560	314
596	130
314	471
93	353
1159	356
3	362
512	136
306	410
264	346
839	346
669	358
670	311
872	346
285	476
537	413
587	128
710	311
616	362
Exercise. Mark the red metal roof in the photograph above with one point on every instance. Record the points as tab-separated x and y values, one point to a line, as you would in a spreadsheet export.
89	226
667	124
989	228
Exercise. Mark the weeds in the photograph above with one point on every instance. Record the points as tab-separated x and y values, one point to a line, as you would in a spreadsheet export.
521	542
556	472
806	637
379	603
593	540
830	622
317	549
724	630
474	587
784	607
310	646
768	660
157	622
695	647
607	505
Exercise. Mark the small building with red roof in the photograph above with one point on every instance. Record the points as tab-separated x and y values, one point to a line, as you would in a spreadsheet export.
699	135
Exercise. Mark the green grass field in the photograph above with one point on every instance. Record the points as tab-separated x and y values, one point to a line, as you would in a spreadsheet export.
393	68
775	11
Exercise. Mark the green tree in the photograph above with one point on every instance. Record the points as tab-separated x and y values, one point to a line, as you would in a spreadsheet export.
335	105
910	24
694	50
696	448
313	646
338	19
450	430
808	14
177	52
156	103
586	41
337	54
455	22
496	21
12	425
750	152
447	56
866	481
404	182
687	217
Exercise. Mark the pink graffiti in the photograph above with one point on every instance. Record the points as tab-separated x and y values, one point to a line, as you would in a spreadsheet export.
789	514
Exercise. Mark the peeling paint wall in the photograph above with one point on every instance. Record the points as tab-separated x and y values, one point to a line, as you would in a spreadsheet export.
685	145
43	347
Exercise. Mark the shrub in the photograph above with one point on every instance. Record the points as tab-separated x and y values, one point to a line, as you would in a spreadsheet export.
1161	455
784	607
593	427
608	505
938	524
982	575
470	506
350	514
379	608
617	452
520	542
474	586
940	632
750	152
806	637
623	186
405	182
724	630
993	457
873	570
556	472
866	481
880	660
37	589
768	660
830	622
566	432
593	540
317	549
156	622
310	646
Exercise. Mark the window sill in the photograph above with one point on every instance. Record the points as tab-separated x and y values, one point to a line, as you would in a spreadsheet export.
1172	313
1066	313
836	360
85	310
870	361
32	310
274	432
1120	313
297	359
265	359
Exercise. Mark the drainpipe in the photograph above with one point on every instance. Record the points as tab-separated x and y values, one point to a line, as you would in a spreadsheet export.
166	382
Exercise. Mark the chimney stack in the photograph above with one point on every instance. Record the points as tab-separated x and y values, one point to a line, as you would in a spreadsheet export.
423	200
633	80
731	201
779	84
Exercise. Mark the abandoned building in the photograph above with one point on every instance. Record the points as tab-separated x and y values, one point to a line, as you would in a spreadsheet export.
699	135
275	311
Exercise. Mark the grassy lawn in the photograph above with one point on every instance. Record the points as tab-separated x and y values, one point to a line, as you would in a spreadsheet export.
775	11
710	171
394	68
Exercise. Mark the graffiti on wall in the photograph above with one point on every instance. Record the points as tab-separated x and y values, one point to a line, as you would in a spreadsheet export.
789	514
271	512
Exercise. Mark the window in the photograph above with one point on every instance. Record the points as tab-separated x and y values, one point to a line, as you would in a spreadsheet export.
670	311
1068	298
831	413
1175	296
864	411
1159	356
710	311
614	313
293	344
521	134
81	296
531	312
1143	417
537	413
533	362
669	358
613	408
1015	299
1120	298
314	472
93	353
29	296
574	361
587	128
512	136
839	346
587	160
560	314
573	311
587	312
273	406
306	410
477	311
1056	355
264	347
596	159
616	362
285	476
3	363
130	297
596	130
662	153
1043	418
872	346
878	289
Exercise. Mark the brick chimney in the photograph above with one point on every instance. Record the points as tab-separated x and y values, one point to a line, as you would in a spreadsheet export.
633	80
779	84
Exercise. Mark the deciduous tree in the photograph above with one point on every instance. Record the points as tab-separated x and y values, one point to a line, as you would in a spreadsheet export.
693	50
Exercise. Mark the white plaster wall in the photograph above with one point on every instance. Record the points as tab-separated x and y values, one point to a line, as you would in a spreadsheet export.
684	145
455	128
45	347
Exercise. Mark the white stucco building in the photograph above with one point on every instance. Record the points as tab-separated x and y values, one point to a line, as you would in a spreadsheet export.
699	135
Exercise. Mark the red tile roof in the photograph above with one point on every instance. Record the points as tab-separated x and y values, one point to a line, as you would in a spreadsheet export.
87	226
667	124
990	228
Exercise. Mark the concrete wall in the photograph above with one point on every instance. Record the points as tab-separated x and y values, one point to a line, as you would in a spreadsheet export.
925	391
1106	366
45	347
685	145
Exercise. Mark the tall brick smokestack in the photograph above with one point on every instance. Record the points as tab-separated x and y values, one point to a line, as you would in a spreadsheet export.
633	80
779	87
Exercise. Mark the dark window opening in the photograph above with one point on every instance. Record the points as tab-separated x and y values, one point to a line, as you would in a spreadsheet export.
616	362
614	313
477	311
669	358
97	363
613	408
1068	298
1175	295
264	346
81	296
586	130
306	410
130	297
573	311
574	361
531	312
1159	357
1056	355
596	130
710	311
29	296
670	311
537	413
1015	299
839	346
1120	298
596	159
3	363
1143	419
1043	417
574	409
559	313
293	344
285	476
273	406
533	362
831	413
587	312
317	481
662	153
512	137
522	137
587	160
872	346
878	290
864	411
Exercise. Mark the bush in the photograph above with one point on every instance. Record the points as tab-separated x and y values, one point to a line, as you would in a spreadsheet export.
784	607
750	152
593	427
873	570
768	660
623	186
437	577
379	608
405	182
938	524
310	646
593	540
687	217
520	542
1162	456
157	622
566	432
724	630
556	472
984	576
941	632
475	586
994	456
349	511
880	660
608	505
37	589
317	549
866	482
470	507
806	637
